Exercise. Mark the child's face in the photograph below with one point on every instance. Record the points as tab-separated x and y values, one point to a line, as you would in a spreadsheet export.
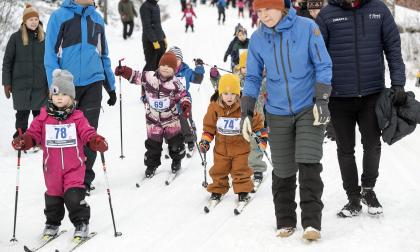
178	62
229	98
61	100
243	70
32	23
269	17
166	71
241	36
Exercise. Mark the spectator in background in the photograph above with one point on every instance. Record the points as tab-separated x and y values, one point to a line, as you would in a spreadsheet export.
127	13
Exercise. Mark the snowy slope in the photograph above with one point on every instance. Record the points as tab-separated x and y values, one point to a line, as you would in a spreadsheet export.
162	218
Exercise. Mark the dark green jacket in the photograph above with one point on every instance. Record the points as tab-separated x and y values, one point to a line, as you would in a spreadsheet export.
126	10
23	68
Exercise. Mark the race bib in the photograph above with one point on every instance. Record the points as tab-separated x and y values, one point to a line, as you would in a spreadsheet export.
61	135
188	15
229	126
160	104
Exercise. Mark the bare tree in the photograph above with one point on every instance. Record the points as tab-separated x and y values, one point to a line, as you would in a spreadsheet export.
7	9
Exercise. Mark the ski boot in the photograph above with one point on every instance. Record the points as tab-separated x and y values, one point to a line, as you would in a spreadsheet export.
175	166
215	196
50	231
150	171
243	196
81	231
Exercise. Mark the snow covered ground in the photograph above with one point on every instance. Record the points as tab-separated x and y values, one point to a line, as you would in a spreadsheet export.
157	217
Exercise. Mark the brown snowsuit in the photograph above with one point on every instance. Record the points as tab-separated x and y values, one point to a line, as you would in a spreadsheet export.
230	151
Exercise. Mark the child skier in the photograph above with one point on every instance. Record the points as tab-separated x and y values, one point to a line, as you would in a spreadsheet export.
62	130
214	77
188	15
162	92
186	75
231	149
221	6
255	159
241	6
239	43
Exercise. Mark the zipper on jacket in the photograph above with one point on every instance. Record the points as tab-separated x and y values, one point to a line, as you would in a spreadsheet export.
62	154
363	25
275	54
356	53
288	56
317	52
285	74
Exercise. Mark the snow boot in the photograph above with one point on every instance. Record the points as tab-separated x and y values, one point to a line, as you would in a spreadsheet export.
258	177
81	231
243	196
190	146
370	200
150	171
50	230
311	234
352	208
285	232
215	196
175	166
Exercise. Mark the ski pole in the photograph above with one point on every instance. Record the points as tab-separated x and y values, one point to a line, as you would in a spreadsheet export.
221	69
121	130
265	152
109	195
203	157
14	240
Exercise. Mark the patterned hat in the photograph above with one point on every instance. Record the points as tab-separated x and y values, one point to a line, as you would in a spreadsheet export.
177	51
315	4
29	12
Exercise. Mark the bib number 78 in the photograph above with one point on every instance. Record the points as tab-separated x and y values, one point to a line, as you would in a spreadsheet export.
60	132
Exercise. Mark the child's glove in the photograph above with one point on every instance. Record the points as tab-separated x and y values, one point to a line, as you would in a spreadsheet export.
112	98
156	45
262	142
204	146
214	73
98	143
186	109
23	142
124	71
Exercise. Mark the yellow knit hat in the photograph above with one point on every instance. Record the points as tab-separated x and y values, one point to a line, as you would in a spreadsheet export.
242	59
229	83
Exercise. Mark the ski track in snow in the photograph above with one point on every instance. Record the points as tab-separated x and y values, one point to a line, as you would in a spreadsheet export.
156	217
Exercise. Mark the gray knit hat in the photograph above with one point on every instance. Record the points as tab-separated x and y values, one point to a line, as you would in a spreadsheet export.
177	51
62	82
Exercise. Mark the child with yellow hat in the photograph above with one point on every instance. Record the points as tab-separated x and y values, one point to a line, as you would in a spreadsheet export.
231	150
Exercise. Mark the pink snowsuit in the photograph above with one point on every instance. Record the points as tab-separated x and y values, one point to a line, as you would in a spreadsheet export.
188	15
161	99
64	167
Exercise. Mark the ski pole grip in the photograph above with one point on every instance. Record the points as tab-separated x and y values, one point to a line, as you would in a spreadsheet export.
119	62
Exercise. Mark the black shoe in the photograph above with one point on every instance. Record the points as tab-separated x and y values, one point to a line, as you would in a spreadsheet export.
243	196
215	196
258	176
352	208
370	200
191	146
175	166
150	171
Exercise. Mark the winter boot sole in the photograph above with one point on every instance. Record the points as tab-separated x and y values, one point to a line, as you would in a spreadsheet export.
311	235
286	233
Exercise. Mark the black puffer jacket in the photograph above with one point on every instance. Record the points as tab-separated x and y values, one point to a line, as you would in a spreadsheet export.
150	20
396	122
356	39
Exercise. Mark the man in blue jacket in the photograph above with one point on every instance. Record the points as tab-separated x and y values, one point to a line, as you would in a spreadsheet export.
357	33
75	41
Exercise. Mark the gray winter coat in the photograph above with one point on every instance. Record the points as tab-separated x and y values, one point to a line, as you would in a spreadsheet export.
126	10
23	68
396	122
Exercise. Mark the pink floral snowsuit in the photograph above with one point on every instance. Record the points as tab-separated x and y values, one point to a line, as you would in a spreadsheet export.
63	158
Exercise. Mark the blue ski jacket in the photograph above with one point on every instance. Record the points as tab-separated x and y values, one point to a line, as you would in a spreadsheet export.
187	75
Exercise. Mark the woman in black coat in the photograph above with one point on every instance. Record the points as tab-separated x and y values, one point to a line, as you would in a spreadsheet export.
23	69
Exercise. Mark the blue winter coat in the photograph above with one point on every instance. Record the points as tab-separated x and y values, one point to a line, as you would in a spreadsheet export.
356	40
75	41
221	4
296	59
187	75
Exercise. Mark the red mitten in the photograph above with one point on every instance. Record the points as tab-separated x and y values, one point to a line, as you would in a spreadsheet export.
24	142
98	143
186	109
124	71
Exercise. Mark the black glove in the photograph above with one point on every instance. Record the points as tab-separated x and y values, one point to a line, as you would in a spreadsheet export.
199	62
320	109
112	98
225	58
400	97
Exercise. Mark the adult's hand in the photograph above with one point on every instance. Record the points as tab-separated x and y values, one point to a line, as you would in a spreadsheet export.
7	90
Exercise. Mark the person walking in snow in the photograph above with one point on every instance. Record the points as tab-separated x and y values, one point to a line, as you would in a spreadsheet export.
221	6
127	13
63	130
186	76
153	38
241	6
231	150
76	41
236	46
298	88
188	15
358	79
162	92
23	69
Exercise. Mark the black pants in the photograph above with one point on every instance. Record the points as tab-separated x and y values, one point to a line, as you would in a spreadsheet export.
183	5
22	117
152	55
89	101
221	13
128	25
190	135
154	150
345	113
310	190
189	25
74	199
